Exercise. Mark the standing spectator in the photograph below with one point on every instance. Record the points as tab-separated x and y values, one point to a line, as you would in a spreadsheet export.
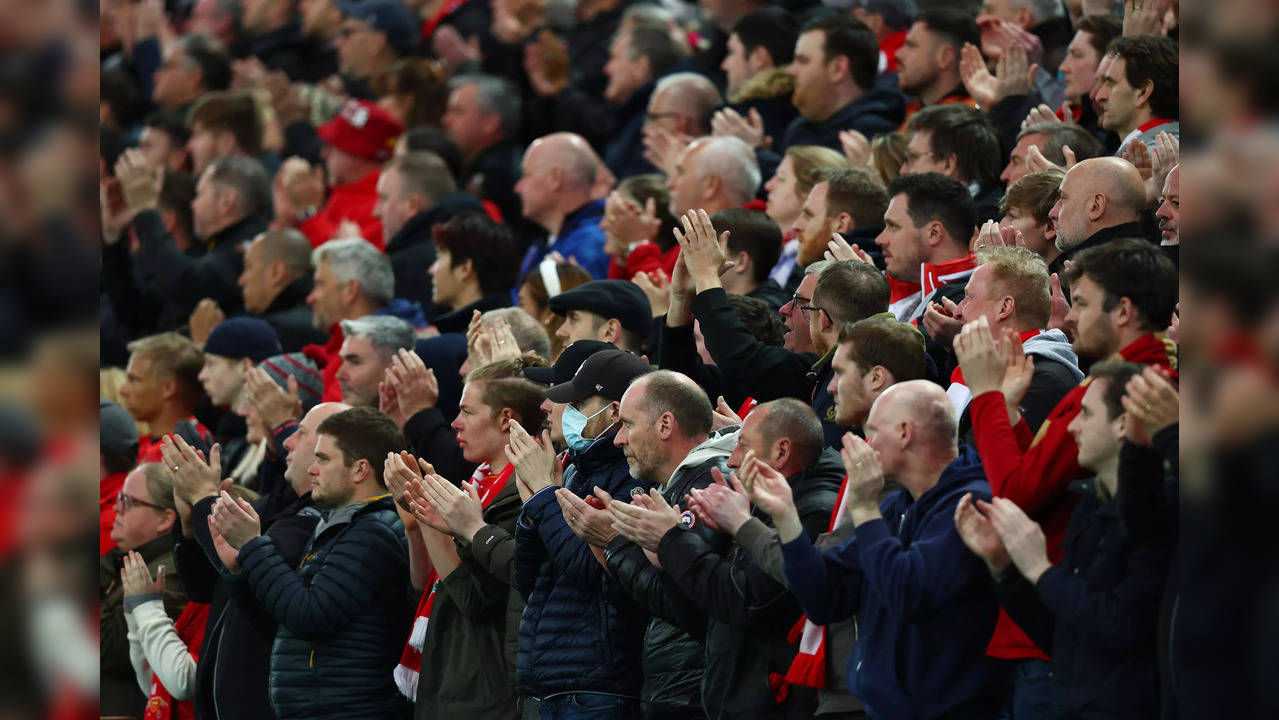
368	344
161	388
614	311
474	269
352	280
754	243
760	47
144	516
1099	201
849	201
713	174
557	191
275	284
1025	209
228	211
1138	95
416	192
638	57
928	60
343	613
787	190
273	34
959	142
233	348
164	141
373	34
1169	212
924	608
482	118
556	571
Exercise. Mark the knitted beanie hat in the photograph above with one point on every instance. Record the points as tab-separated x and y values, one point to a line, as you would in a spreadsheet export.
301	367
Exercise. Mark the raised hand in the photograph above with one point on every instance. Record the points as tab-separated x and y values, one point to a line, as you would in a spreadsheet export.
416	388
657	287
723	416
942	321
723	504
865	478
235	519
297	186
663	148
727	122
977	532
193	478
400	469
594	525
1042	114
1138	154
1036	162
1017	376
976	76
1057	319
274	405
645	523
139	182
546	62
459	507
981	356
770	492
135	577
838	250
1151	403
229	556
206	316
856	148
534	461
1022	538
701	251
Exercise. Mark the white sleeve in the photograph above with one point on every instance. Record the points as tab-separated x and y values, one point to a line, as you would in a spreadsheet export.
141	669
168	655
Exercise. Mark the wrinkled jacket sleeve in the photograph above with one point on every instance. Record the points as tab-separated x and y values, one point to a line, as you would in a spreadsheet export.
1032	477
679	354
828	584
917	579
494	549
353	571
771	372
163	651
740	595
474	589
652	589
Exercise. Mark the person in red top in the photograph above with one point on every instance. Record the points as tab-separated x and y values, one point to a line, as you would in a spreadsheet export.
889	20
118	449
161	388
357	141
1123	297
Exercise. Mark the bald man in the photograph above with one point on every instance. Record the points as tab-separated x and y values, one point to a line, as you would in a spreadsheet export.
232	679
1169	212
559	191
1100	199
713	174
683	103
924	611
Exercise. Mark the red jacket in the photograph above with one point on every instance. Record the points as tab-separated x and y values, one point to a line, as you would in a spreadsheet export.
1034	471
190	627
353	202
646	257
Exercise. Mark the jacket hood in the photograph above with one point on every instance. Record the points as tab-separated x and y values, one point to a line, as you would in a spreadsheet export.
713	448
405	310
1053	345
767	84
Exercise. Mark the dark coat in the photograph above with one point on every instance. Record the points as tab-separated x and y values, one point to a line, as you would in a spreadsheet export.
881	110
770	293
1101	237
1095	612
494	172
674	656
624	151
183	281
290	315
343	615
234	664
468	658
412	250
572	639
750	612
302	59
924	604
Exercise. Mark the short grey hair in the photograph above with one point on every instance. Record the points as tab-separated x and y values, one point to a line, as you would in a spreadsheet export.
1041	10
693	95
247	178
386	333
648	15
816	268
357	259
733	161
495	95
424	173
529	333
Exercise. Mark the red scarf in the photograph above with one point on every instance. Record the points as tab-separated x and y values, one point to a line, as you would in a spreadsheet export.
190	627
809	666
488	486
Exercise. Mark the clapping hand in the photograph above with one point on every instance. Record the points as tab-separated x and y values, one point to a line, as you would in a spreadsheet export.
645	520
838	249
459	508
981	356
534	461
723	505
865	478
1152	403
701	251
193	478
1022	538
594	525
274	405
973	524
136	578
727	122
770	492
235	519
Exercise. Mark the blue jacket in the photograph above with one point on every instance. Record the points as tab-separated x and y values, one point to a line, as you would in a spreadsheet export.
580	238
924	603
343	615
572	638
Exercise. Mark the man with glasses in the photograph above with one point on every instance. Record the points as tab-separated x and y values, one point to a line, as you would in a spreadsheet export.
144	515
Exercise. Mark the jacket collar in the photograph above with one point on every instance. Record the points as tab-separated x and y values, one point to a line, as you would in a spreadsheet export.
418	228
590	212
1151	349
347	514
1101	237
240	231
456	321
599	453
292	295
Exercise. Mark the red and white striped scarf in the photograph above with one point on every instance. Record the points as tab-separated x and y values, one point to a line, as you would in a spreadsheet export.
809	666
488	486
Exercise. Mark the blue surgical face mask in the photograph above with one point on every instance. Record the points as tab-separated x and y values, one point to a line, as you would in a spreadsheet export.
573	423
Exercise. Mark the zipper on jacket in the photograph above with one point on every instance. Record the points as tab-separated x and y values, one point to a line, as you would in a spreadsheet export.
311	662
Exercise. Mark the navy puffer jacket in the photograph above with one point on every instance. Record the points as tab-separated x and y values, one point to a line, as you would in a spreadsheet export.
572	638
343	615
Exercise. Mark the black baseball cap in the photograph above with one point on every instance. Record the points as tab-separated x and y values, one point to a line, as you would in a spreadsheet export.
620	299
607	373
570	359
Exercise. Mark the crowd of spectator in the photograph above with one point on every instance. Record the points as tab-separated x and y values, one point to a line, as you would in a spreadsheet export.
629	358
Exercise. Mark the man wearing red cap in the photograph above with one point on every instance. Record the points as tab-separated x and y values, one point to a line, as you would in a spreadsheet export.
356	142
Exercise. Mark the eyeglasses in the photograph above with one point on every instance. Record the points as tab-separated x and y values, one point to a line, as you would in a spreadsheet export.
797	300
128	502
809	308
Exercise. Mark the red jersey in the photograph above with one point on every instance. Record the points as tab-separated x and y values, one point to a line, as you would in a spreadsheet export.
354	202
